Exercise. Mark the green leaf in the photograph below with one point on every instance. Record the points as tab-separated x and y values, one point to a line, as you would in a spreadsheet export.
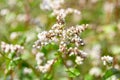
11	65
11	55
48	76
17	60
111	72
73	72
22	40
88	77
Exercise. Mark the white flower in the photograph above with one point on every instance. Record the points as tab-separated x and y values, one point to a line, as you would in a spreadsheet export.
107	59
93	1
39	58
46	67
95	71
83	54
11	48
12	2
51	4
43	69
27	70
4	12
42	36
50	62
95	52
21	17
69	63
108	7
46	5
79	60
13	35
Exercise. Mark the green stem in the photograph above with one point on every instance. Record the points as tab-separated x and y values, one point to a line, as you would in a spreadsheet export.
5	56
63	60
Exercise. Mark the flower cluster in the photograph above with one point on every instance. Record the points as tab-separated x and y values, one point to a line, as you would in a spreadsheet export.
107	60
62	13
27	70
79	60
80	55
51	4
39	58
63	37
96	71
11	48
68	38
45	68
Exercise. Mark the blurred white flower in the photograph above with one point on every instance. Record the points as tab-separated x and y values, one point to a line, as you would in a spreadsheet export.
21	17
95	71
79	60
4	12
42	36
51	4
118	25
11	48
30	36
76	18
116	66
46	5
82	2
113	77
12	2
108	7
14	35
39	58
83	54
95	52
69	63
107	59
93	1
27	70
46	67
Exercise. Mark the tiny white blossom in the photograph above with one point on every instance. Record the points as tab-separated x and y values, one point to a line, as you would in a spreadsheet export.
43	69
27	70
51	4
108	7
42	36
21	17
46	67
107	59
4	12
39	58
95	71
83	54
79	60
11	48
12	2
13	35
69	63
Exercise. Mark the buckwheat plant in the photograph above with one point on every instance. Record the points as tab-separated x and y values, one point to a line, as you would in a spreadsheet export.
67	38
42	39
12	54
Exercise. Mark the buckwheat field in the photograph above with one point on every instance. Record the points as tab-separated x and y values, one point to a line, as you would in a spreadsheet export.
59	39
